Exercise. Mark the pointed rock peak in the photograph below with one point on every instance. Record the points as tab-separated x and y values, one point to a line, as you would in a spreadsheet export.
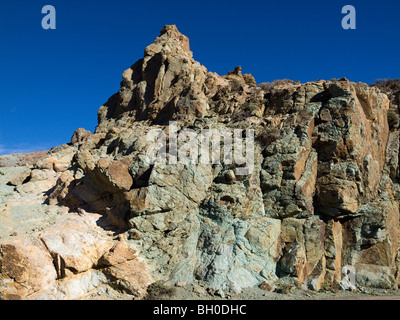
170	39
162	85
171	31
169	28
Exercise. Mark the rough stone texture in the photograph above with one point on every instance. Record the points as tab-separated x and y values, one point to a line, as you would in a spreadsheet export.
96	216
25	267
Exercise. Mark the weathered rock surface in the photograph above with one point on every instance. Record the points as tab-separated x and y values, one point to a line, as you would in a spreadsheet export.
96	215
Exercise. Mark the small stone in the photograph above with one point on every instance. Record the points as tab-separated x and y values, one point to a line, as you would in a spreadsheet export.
211	291
267	286
286	289
199	290
133	235
220	293
181	284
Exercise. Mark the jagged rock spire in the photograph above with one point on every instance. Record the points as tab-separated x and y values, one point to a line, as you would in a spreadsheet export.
165	79
323	194
171	33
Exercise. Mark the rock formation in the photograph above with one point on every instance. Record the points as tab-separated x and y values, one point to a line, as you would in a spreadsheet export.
95	215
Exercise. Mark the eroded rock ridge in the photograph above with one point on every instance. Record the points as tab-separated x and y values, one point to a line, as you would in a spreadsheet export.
95	216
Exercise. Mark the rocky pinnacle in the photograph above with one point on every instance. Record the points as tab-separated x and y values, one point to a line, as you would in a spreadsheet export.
96	216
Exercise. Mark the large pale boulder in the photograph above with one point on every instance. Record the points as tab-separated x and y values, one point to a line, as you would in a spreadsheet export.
26	268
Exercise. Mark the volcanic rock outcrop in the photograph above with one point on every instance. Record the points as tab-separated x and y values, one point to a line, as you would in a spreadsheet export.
96	216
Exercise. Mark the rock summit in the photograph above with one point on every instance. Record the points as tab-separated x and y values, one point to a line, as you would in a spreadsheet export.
95	216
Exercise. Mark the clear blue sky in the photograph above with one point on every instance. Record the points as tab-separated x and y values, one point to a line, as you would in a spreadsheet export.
54	81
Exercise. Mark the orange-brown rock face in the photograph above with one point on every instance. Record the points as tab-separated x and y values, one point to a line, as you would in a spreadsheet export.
97	216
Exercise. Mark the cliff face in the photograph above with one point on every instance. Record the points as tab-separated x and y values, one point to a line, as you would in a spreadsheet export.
96	215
